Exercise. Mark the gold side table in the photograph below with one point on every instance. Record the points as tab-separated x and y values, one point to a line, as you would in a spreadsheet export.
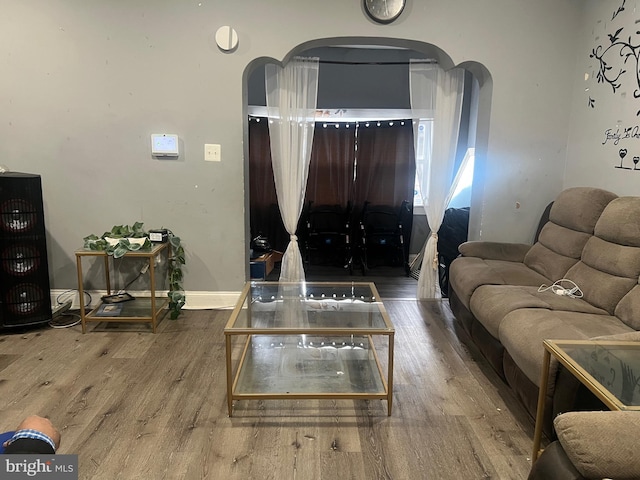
145	309
609	369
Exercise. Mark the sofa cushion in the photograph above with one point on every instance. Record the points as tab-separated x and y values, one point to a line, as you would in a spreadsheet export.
572	221
620	222
628	309
510	252
579	208
564	241
601	289
610	263
468	273
491	303
612	258
548	263
523	331
601	444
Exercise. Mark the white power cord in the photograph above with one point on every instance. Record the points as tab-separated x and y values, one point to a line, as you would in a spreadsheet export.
564	287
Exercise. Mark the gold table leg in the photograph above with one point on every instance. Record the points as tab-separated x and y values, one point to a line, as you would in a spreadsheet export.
81	292
390	376
229	380
542	396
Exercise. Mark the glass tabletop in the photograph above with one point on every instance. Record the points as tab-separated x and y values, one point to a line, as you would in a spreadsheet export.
349	307
611	368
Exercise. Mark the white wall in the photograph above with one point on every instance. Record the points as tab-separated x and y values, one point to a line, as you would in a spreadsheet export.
85	82
592	157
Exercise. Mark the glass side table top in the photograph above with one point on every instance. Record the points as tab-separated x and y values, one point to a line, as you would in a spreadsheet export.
308	307
610	368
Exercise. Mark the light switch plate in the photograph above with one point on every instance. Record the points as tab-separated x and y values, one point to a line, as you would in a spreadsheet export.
212	152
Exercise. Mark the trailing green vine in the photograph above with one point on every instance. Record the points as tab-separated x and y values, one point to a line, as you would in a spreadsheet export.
124	238
176	292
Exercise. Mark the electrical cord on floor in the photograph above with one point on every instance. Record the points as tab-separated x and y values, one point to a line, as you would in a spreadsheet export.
56	323
564	287
63	298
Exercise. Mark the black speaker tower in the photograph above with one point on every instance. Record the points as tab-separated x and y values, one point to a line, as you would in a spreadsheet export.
24	272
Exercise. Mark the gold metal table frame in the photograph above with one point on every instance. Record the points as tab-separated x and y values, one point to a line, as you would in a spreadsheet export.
328	355
146	309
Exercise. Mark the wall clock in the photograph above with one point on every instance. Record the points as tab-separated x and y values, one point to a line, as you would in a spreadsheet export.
384	11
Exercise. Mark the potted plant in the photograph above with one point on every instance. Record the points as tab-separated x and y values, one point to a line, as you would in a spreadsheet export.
120	240
124	238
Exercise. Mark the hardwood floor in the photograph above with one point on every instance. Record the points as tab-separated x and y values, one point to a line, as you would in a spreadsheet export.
134	405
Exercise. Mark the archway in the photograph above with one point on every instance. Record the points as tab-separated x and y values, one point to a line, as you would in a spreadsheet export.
402	49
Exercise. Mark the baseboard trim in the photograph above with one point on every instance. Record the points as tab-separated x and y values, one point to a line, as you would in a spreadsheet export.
211	300
195	300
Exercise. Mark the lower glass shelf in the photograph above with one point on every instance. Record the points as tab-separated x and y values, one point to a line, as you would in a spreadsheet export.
305	365
139	309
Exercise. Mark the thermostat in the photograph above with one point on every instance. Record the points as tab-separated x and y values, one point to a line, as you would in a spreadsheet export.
164	145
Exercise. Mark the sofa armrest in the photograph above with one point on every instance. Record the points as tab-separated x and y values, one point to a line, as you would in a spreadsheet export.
510	252
620	337
601	444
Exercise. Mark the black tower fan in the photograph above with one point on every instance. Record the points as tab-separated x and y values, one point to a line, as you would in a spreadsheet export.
24	272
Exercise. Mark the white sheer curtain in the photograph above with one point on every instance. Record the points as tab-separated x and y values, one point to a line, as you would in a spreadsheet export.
436	102
292	93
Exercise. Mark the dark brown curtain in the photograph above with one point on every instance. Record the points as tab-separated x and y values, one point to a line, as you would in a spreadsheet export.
264	214
331	166
385	169
354	164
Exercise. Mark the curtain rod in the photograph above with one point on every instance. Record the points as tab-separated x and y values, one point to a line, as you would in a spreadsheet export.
338	62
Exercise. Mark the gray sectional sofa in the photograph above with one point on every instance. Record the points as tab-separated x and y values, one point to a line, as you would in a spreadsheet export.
592	237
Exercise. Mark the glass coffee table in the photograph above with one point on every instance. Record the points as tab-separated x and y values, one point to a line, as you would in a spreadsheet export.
609	369
309	340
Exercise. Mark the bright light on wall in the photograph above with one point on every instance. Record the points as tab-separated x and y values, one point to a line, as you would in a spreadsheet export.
462	195
466	179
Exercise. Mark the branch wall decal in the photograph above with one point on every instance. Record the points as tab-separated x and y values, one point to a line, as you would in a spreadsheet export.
617	66
630	55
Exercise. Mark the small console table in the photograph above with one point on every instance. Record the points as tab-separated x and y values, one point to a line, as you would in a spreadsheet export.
145	309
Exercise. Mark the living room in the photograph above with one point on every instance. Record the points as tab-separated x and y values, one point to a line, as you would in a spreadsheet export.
107	79
90	83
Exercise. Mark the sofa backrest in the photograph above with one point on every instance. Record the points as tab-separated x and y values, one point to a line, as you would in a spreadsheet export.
571	224
628	309
609	267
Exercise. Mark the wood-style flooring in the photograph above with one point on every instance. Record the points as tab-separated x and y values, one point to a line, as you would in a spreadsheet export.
134	405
